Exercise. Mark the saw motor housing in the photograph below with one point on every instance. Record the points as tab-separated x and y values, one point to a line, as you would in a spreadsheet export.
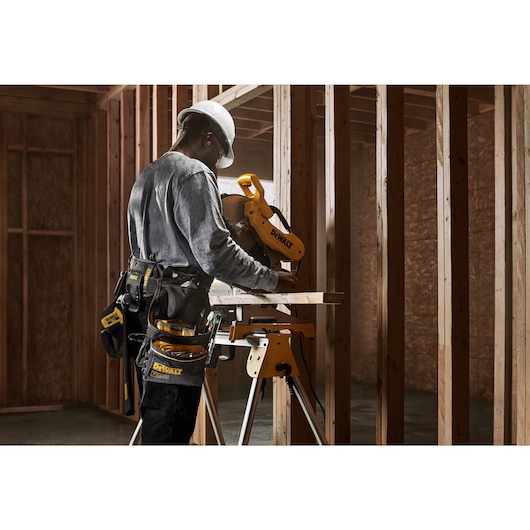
247	217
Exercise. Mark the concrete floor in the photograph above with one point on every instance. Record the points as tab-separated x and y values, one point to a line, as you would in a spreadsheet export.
87	425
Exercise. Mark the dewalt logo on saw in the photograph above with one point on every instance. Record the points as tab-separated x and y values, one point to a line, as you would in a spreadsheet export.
281	238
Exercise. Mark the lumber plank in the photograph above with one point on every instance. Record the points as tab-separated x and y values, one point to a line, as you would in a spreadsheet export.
281	416
112	94
390	419
297	298
453	265
179	101
526	106
114	397
519	265
240	94
338	265
3	261
143	125
160	121
502	391
302	215
100	246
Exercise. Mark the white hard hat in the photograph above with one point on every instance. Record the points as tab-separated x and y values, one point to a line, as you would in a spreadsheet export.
223	119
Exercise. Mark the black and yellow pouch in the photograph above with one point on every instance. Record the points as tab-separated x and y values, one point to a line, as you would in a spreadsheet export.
112	319
172	358
175	367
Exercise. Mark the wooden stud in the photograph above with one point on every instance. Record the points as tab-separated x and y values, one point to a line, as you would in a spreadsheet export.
3	262
391	258
25	265
143	125
303	220
114	396
526	106
160	121
281	414
518	263
502	391
338	265
84	311
100	247
179	101
453	265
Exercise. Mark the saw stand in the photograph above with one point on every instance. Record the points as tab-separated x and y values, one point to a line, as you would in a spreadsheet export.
269	334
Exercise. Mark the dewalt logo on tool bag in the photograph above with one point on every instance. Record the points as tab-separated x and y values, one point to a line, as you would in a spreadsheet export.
112	318
281	238
166	369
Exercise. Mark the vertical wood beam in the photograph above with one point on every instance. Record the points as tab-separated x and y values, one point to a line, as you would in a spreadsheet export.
281	415
338	244
520	198
83	237
453	265
100	248
127	167
502	391
143	125
114	396
127	178
179	101
3	262
303	195
160	121
519	251
25	264
200	93
526	150
390	419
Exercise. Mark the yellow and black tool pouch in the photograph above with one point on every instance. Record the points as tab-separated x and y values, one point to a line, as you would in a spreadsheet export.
127	313
178	335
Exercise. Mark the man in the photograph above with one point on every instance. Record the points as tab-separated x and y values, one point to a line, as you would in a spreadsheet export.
175	218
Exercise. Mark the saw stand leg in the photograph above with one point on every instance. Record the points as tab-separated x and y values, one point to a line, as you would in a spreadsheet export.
212	412
295	387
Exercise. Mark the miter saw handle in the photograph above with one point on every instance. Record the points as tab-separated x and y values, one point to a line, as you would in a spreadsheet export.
248	180
258	213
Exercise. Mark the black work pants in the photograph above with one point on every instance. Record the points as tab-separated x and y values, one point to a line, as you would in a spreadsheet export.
168	413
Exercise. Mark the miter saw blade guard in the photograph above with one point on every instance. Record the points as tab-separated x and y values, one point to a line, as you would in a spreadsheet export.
247	217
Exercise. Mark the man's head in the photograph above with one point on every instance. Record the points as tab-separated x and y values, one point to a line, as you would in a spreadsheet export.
208	129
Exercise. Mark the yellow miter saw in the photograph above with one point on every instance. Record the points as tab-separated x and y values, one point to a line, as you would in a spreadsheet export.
247	218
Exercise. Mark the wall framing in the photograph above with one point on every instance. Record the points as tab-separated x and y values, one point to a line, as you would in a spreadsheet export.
125	128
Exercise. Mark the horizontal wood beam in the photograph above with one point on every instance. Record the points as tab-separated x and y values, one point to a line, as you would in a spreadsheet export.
239	94
113	93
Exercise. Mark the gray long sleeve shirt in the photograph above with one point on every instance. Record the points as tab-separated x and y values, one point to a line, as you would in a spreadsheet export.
175	215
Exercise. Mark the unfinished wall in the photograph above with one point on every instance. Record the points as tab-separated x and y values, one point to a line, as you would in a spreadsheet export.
421	309
41	172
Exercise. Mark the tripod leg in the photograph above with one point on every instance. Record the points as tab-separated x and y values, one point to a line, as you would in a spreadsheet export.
212	413
250	411
136	431
308	411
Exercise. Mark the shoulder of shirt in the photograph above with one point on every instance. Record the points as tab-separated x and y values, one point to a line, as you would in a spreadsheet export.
189	165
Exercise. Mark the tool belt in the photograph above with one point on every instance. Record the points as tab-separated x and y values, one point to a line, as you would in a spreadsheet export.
132	297
178	335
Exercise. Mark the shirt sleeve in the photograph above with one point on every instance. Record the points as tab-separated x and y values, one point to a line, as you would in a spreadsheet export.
198	214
